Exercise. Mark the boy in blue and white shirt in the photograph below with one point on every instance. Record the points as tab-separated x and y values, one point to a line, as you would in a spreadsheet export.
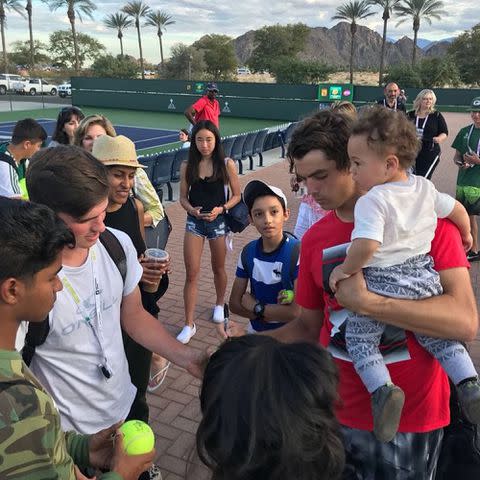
269	264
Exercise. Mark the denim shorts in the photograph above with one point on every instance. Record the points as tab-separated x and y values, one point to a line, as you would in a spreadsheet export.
208	230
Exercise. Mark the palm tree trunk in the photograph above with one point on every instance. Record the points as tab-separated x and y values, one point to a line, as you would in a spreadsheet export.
4	48
30	29
161	47
414	53
137	24
71	17
382	54
120	37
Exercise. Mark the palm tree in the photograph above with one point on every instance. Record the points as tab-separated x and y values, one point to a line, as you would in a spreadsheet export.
159	20
7	5
387	6
119	22
28	8
352	12
137	10
416	10
74	8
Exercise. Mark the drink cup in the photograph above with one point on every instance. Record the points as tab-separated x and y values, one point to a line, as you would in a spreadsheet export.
156	255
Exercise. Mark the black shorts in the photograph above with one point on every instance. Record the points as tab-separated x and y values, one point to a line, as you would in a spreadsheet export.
409	456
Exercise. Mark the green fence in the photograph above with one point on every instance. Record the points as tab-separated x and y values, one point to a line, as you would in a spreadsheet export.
248	100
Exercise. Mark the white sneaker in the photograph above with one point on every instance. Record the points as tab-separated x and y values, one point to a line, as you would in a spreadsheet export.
218	314
186	334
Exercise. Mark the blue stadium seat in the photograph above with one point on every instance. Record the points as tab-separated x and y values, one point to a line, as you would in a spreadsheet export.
149	162
268	144
227	144
248	147
286	135
237	150
163	172
258	147
181	155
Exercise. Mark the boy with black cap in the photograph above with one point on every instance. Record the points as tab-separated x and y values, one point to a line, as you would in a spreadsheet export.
270	263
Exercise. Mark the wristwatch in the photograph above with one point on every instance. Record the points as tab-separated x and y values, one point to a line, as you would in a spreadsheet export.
259	309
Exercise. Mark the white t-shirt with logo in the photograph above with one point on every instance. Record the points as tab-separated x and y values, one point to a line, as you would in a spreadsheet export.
68	362
402	216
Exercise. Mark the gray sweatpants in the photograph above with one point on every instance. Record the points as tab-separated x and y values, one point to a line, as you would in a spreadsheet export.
414	279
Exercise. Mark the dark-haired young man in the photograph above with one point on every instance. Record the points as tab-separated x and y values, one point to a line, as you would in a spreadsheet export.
32	443
319	150
27	138
82	361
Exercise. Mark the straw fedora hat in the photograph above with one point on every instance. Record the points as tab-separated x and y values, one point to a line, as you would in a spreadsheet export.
118	150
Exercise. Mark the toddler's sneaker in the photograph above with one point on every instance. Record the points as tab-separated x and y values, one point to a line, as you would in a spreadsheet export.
469	396
387	404
187	333
218	315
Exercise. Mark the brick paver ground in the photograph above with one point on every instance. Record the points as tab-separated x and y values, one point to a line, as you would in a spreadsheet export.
174	407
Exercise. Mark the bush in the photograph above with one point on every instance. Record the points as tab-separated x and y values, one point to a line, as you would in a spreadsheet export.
292	70
404	75
115	67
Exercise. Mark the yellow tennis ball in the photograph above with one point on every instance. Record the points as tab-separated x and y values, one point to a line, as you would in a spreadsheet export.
287	296
138	437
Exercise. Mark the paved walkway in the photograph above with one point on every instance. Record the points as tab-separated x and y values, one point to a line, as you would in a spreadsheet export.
174	406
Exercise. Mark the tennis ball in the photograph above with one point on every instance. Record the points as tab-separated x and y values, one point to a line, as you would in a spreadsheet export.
138	437
287	296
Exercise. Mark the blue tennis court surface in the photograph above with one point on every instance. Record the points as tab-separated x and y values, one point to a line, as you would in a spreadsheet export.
143	137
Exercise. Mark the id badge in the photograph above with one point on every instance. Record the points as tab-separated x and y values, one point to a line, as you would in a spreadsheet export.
419	133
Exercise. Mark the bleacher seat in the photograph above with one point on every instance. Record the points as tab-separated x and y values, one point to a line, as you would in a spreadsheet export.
286	135
237	151
227	144
163	172
248	147
258	147
181	155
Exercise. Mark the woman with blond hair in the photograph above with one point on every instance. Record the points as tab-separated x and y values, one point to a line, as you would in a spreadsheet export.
431	130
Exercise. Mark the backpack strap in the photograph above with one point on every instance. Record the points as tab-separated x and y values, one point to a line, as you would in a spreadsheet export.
115	250
292	246
6	385
8	159
37	332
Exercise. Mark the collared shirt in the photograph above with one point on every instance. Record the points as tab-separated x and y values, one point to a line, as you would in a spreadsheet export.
206	109
145	192
9	177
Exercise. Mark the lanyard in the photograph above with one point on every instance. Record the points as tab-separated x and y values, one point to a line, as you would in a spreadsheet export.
97	331
468	139
385	104
424	121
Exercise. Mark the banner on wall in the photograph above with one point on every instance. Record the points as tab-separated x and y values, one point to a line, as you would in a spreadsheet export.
328	92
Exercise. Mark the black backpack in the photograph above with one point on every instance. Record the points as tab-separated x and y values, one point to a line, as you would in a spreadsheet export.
37	332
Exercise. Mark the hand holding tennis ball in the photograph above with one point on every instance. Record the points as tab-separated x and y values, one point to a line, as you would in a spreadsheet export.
285	297
138	437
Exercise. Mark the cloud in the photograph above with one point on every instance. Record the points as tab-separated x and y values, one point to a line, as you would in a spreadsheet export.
195	18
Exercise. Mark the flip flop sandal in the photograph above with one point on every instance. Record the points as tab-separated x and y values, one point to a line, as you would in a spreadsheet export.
160	375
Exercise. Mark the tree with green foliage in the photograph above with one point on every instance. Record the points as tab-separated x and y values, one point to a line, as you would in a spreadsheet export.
352	12
121	66
7	6
293	70
275	41
75	8
219	56
159	20
387	8
417	10
61	49
465	51
118	21
185	63
20	54
137	10
403	74
439	72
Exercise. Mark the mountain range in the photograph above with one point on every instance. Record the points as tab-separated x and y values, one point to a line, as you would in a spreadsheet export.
332	46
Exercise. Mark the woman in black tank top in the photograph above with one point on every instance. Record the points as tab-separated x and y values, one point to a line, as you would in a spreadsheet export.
204	178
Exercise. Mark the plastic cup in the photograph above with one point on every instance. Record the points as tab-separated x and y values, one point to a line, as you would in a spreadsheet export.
157	255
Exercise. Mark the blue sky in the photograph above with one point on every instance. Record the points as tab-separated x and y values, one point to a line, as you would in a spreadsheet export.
195	18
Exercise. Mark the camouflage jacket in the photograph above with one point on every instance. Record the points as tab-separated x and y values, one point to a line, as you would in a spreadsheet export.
32	444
